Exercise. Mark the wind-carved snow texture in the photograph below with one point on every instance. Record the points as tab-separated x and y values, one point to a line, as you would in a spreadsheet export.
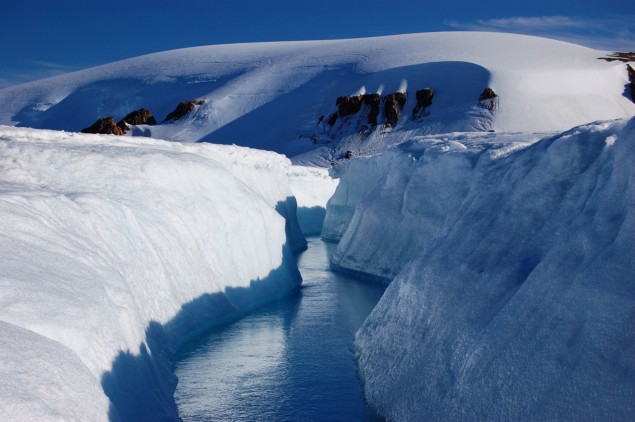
517	301
271	95
115	252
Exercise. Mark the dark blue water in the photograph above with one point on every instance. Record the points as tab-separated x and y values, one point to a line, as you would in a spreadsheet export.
289	361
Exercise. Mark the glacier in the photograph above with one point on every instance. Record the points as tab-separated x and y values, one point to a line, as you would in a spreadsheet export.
115	253
509	254
513	274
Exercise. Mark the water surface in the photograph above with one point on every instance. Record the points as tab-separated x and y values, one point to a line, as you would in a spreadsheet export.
289	361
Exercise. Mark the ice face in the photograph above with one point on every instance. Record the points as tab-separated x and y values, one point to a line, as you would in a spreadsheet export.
114	252
517	302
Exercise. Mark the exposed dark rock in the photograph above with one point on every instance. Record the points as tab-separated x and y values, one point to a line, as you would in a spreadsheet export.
140	117
320	119
183	108
348	155
631	77
123	126
348	105
488	99
105	126
332	119
621	56
487	94
393	106
424	99
372	101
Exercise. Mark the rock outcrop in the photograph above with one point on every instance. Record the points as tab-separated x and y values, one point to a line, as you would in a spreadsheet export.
424	99
105	126
393	106
631	77
372	101
332	119
488	99
622	56
348	105
184	108
139	117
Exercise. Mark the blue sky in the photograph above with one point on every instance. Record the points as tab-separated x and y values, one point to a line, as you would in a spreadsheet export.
40	38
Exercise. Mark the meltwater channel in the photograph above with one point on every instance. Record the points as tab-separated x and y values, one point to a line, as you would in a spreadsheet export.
289	361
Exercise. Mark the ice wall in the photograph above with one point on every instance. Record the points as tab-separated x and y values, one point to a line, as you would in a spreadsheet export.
312	187
397	202
519	302
114	252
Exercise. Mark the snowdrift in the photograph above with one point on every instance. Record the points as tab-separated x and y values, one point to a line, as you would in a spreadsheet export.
515	290
274	95
116	252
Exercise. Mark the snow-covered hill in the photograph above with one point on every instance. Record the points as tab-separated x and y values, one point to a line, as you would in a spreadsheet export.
514	295
512	256
114	251
272	95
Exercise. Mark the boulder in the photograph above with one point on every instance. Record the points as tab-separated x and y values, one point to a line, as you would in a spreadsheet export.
184	107
348	155
105	126
393	106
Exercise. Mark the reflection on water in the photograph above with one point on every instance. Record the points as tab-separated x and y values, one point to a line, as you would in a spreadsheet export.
289	361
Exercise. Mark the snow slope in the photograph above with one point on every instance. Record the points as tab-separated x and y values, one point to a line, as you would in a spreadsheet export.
114	252
271	95
514	297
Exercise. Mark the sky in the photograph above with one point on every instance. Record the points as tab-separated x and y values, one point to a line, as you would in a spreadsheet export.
42	38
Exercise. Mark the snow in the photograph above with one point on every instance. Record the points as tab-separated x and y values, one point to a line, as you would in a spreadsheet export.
104	239
271	95
510	255
515	275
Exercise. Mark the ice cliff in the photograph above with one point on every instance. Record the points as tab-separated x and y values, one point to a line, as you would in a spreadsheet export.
115	252
514	274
